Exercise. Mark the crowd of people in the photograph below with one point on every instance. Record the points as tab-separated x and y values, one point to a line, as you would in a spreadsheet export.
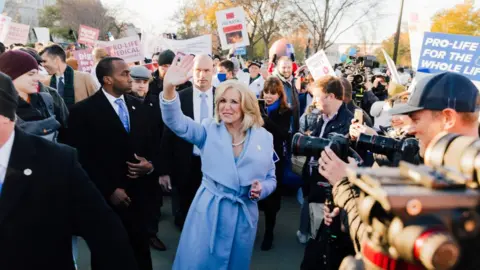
91	155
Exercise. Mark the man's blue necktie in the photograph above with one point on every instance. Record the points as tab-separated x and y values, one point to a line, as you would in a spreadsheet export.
123	114
61	86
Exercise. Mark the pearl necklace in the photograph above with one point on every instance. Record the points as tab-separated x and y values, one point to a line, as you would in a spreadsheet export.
241	142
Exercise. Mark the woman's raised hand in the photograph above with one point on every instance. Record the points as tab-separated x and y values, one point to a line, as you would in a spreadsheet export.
178	73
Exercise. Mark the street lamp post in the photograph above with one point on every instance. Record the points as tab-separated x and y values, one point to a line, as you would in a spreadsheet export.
397	35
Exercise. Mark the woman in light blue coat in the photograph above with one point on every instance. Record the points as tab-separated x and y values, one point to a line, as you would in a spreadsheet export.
238	170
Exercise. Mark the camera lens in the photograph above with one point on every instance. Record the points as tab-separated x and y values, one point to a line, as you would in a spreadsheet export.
428	243
436	250
377	144
308	146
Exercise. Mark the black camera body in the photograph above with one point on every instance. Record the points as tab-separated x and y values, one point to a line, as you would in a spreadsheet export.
395	150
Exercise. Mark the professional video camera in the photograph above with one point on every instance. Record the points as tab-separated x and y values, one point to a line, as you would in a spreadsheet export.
422	217
395	150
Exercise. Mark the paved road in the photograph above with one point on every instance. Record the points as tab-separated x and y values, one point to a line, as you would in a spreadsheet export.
286	254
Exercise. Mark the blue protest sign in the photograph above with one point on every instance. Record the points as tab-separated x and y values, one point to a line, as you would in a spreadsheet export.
445	52
241	51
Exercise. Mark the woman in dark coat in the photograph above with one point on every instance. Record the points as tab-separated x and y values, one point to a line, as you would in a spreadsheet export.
277	122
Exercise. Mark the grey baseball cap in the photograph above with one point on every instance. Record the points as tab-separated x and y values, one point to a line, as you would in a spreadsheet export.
439	92
140	73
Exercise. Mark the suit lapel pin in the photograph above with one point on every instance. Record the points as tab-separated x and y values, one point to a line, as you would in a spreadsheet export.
259	148
133	107
151	105
27	172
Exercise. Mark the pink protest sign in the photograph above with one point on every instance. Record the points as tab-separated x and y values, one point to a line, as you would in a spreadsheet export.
87	35
84	59
128	48
17	33
4	25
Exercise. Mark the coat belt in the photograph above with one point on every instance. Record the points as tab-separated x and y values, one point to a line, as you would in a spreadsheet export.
220	195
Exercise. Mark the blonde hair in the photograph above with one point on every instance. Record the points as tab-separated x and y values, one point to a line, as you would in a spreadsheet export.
99	53
248	103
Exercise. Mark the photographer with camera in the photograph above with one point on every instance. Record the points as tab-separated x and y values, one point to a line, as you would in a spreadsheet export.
335	118
389	144
331	127
446	102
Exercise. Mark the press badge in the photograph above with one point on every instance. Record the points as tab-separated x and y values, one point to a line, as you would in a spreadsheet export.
275	157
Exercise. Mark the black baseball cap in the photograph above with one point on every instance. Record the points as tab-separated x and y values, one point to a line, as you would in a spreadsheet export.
439	92
256	63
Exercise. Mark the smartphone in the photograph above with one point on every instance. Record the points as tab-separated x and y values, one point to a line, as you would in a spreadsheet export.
359	116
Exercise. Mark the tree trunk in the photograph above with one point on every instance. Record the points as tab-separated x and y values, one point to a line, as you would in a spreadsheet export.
265	41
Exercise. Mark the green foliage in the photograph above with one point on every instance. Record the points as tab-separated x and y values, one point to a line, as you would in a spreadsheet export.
50	17
463	19
404	57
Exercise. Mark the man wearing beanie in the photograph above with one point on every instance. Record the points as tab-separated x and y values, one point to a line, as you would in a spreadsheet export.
61	110
37	112
45	198
74	86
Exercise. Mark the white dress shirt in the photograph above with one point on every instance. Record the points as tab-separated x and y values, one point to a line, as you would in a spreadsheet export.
115	106
5	152
197	101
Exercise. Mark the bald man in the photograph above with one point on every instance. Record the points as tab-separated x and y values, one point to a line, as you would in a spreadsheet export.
181	165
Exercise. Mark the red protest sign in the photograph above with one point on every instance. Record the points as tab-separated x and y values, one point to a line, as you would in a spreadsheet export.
87	35
84	59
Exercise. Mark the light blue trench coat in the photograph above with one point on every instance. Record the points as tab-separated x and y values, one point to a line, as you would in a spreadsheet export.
221	225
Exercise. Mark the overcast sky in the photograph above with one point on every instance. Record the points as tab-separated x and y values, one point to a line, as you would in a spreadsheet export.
155	15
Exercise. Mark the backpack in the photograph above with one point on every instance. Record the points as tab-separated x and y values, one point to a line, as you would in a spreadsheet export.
46	128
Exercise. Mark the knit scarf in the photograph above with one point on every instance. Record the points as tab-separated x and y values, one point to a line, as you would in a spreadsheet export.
68	94
273	107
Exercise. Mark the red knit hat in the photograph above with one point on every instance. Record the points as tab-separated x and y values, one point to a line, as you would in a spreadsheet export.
16	63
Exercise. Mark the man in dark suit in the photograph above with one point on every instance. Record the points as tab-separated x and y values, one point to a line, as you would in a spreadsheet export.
113	137
181	160
152	103
46	197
